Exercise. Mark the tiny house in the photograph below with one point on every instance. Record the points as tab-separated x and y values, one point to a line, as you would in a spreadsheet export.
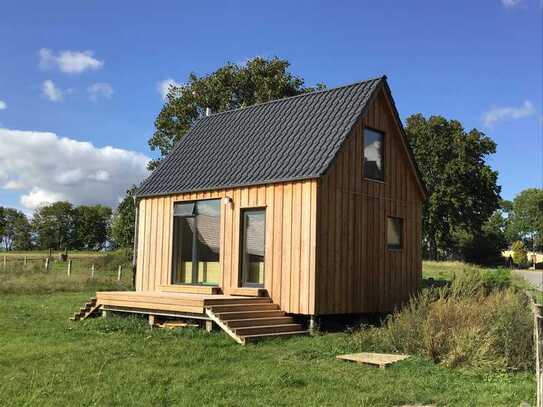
309	205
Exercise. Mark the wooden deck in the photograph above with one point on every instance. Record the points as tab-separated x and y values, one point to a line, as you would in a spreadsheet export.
167	303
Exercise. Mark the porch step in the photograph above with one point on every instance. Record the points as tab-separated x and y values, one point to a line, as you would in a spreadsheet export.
254	338
233	301
251	322
90	309
239	323
267	329
217	309
228	316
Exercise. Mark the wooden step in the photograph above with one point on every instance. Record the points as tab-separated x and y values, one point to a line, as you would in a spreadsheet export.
254	338
228	316
232	301
267	329
239	323
217	309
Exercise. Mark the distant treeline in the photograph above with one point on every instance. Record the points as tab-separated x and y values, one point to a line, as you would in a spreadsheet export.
61	225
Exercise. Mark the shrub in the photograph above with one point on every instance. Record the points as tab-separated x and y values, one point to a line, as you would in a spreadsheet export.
476	322
520	256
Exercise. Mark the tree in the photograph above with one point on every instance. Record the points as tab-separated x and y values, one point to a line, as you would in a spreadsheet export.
2	222
54	226
487	246
526	218
124	218
230	87
16	230
520	256
91	226
463	190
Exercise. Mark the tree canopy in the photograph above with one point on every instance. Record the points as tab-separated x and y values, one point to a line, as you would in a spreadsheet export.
526	218
14	229
229	87
124	218
463	190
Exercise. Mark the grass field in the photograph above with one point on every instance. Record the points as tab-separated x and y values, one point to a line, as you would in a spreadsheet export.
47	360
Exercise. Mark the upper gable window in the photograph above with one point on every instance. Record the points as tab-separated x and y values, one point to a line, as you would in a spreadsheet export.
374	160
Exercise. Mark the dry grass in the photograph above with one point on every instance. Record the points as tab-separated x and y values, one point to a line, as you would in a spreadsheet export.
477	321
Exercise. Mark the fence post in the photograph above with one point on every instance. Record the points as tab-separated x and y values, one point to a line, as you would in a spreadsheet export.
92	270
69	267
119	272
5	261
538	317
47	263
25	261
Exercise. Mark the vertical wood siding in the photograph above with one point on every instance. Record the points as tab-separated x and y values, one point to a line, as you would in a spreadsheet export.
290	240
355	272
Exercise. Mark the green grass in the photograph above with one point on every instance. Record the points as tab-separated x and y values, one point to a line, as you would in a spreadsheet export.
47	360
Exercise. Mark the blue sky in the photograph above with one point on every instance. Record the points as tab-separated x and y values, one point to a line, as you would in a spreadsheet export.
74	72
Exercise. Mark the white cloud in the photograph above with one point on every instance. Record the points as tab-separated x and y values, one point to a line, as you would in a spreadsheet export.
510	3
508	113
164	86
51	92
45	168
72	62
100	89
3	105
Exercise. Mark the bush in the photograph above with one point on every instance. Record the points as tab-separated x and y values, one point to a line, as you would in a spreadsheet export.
476	322
520	256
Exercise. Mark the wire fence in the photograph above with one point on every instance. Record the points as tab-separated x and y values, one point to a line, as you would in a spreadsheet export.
61	264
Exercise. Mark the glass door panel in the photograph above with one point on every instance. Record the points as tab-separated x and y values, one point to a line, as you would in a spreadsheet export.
253	244
196	230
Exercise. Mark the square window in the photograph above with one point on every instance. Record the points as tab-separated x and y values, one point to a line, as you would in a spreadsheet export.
374	165
394	233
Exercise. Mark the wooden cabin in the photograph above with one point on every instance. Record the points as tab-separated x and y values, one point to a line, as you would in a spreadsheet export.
308	205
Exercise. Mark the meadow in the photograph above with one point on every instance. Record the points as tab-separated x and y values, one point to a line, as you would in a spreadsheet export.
47	360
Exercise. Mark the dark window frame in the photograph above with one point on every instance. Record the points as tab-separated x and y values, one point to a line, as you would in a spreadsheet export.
383	148
394	247
241	257
195	258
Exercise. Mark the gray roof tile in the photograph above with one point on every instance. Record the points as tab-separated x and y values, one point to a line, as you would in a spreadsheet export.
286	139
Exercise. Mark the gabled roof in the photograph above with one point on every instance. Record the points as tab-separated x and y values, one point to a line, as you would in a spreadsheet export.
282	140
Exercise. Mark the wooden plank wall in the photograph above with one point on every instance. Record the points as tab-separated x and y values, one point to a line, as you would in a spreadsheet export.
355	272
290	240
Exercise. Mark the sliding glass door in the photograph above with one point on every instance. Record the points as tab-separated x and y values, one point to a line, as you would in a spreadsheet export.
196	237
253	233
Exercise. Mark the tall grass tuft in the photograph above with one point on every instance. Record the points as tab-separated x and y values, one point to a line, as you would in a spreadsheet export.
478	321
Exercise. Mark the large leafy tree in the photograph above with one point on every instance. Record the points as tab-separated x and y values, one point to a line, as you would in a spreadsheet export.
92	224
122	225
54	226
231	86
463	190
15	230
526	218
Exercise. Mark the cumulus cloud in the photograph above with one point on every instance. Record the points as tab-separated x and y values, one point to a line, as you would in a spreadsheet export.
3	105
46	168
71	62
164	86
51	92
98	90
508	113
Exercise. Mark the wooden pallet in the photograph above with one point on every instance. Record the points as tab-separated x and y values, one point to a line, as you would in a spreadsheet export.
376	359
252	321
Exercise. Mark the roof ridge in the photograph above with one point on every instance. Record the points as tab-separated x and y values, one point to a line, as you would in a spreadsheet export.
293	97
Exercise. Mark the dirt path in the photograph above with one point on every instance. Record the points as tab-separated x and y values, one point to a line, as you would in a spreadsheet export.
533	277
